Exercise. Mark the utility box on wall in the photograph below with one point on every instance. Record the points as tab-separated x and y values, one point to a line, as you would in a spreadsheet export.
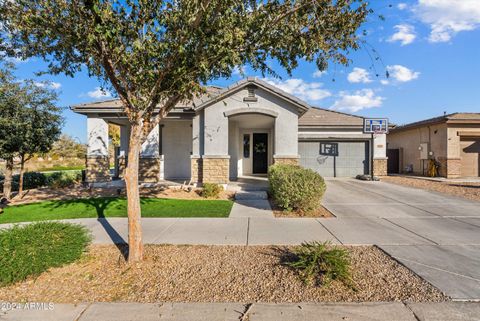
424	150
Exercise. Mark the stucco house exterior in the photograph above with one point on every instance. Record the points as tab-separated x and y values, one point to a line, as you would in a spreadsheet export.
233	132
453	140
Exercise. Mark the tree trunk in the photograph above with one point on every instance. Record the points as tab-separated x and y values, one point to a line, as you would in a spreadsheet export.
7	184
135	245
20	179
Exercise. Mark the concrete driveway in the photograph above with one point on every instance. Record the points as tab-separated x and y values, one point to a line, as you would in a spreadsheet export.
435	235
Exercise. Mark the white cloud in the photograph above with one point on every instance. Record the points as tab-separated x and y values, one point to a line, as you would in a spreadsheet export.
405	34
402	6
310	91
401	73
48	84
238	71
98	93
384	82
359	75
360	99
319	73
448	17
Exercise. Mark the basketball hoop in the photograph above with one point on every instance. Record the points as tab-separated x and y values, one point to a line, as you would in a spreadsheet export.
374	127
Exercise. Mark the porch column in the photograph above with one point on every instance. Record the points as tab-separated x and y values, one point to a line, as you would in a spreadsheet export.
286	139
380	155
124	142
196	168
97	160
150	160
216	160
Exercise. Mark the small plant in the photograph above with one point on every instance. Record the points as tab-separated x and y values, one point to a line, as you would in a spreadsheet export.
34	248
322	263
211	190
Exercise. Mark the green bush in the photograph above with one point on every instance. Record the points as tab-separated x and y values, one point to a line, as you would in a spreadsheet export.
36	179
32	249
322	263
211	190
296	188
63	179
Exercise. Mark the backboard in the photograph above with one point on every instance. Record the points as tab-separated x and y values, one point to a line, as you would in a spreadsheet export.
375	125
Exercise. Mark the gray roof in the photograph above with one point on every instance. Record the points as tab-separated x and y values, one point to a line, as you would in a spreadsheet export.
316	116
450	118
309	116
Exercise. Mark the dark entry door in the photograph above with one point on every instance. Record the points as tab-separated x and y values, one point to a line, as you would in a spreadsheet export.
260	153
393	162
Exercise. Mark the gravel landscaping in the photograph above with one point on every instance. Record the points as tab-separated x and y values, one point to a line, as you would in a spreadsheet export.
467	190
216	274
320	212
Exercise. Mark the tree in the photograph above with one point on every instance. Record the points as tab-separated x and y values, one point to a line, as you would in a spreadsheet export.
10	123
156	53
68	147
29	122
41	123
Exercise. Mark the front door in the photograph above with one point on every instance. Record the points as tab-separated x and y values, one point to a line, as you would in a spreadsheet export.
260	153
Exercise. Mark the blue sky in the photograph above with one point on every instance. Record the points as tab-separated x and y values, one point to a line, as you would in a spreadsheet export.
431	49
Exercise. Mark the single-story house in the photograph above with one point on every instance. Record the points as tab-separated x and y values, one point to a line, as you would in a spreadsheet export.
233	132
452	140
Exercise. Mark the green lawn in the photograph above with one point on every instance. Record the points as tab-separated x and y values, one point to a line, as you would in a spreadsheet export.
114	207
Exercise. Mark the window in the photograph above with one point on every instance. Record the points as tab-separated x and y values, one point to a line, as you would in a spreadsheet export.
246	145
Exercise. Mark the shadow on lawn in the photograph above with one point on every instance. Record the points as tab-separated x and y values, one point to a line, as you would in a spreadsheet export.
100	205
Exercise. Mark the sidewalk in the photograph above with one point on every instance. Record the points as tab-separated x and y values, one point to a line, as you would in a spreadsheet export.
397	311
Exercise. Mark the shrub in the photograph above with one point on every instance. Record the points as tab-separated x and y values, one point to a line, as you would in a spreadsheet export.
30	180
54	179
296	188
32	249
211	190
322	263
63	179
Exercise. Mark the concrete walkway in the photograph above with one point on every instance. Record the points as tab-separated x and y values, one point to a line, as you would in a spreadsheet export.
397	311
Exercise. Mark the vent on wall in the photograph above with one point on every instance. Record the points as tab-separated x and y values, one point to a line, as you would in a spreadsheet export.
251	94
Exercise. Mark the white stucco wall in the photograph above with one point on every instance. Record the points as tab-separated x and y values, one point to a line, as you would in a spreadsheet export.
380	146
150	146
97	136
286	122
177	148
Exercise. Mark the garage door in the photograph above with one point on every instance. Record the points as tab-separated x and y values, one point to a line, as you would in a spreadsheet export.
335	159
469	153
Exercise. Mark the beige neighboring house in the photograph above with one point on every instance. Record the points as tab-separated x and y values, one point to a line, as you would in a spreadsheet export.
453	140
235	132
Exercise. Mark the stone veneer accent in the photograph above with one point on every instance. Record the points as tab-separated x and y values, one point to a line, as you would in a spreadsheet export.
122	165
196	168
97	169
215	169
288	160
454	167
149	169
380	167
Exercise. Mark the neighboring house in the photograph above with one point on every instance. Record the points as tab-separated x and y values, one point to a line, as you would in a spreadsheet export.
233	132
452	140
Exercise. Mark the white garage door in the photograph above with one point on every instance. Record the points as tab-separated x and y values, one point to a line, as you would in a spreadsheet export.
335	159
